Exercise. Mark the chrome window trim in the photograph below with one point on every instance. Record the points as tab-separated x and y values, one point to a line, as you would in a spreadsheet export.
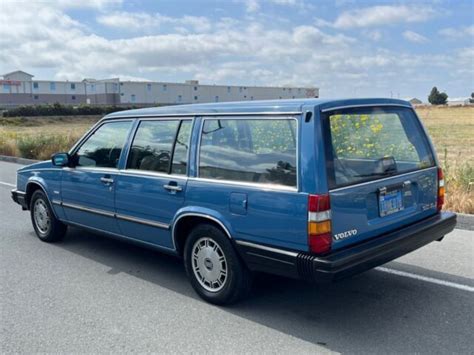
92	169
363	105
91	131
149	173
260	186
195	214
161	174
199	114
379	180
163	118
264	247
264	186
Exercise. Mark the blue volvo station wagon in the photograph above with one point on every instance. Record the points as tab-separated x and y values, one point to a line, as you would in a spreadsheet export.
311	189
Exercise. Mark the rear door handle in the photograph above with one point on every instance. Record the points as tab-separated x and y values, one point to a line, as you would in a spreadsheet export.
107	180
173	187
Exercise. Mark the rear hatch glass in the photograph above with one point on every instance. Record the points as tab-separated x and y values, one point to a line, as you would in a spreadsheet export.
381	171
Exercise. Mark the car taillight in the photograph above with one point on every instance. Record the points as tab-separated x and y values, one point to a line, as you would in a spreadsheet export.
441	190
319	224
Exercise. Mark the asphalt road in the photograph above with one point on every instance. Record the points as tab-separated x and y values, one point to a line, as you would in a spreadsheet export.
94	294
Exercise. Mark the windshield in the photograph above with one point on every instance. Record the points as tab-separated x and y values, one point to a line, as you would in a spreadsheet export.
367	144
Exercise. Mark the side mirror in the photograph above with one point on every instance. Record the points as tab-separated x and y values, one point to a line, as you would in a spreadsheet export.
60	159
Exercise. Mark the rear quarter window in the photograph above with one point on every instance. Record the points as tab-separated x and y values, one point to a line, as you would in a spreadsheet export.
249	150
368	144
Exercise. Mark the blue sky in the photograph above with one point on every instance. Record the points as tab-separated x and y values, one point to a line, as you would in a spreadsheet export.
346	48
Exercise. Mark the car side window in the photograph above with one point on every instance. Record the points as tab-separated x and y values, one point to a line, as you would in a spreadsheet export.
104	146
157	142
152	146
249	150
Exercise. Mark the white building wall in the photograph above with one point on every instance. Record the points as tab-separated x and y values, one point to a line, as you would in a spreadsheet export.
176	93
114	91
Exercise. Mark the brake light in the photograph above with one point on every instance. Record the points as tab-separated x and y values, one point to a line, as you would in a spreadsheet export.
319	224
441	190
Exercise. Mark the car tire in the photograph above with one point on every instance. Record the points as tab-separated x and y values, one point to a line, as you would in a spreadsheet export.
47	227
213	267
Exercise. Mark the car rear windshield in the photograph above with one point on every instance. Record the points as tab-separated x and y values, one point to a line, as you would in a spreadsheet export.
372	143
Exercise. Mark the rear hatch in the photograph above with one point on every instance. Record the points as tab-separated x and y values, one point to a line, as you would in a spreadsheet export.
381	171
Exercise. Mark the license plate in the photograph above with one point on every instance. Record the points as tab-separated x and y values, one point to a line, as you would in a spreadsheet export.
390	202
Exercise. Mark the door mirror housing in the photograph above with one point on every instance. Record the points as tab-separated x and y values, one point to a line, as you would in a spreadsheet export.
60	159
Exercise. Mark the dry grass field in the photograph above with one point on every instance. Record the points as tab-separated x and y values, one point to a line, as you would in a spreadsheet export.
452	132
451	129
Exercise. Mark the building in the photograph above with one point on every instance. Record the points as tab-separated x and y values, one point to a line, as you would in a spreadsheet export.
19	88
416	101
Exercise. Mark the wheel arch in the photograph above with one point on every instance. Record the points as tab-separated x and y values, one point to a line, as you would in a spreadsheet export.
186	221
31	187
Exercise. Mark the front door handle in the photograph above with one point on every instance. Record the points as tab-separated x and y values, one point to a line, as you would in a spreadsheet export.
173	187
106	180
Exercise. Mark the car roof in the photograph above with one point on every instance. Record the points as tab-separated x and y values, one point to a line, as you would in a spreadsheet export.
258	107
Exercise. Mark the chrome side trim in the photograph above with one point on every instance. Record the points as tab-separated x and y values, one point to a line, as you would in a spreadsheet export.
113	215
192	114
88	209
142	221
56	202
264	247
379	180
40	169
256	185
362	105
203	215
121	236
269	258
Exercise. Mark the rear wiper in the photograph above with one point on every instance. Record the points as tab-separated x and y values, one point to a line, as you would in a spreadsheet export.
386	173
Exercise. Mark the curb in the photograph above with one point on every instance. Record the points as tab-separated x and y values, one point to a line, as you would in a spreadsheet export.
17	160
464	221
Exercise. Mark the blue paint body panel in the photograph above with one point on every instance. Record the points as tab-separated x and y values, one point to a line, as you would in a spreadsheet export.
248	212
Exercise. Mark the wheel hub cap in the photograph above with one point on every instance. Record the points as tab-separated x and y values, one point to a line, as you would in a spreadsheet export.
209	264
41	216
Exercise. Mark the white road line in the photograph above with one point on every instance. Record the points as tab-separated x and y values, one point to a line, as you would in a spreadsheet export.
427	279
7	184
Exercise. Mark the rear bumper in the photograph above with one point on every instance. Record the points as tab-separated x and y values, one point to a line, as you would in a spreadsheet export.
349	261
20	198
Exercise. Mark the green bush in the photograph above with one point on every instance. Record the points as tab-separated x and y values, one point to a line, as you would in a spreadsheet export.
62	110
43	146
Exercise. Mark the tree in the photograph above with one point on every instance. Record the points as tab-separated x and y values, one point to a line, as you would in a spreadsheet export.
471	100
436	97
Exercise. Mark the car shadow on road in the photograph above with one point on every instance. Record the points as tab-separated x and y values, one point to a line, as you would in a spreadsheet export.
375	310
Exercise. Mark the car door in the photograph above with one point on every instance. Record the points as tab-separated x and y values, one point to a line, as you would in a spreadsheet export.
151	188
87	188
247	173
